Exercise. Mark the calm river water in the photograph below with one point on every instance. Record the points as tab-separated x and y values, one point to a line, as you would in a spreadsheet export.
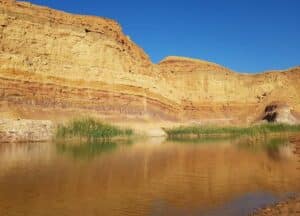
146	177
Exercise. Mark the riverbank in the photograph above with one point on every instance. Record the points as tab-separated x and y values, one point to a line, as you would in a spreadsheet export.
27	130
24	130
288	207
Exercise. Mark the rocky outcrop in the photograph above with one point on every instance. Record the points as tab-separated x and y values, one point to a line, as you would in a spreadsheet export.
290	206
280	113
56	65
25	130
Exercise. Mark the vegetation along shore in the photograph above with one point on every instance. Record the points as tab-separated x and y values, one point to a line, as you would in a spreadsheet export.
253	130
90	128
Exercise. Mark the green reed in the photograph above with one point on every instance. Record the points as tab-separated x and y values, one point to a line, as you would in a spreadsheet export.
91	129
231	130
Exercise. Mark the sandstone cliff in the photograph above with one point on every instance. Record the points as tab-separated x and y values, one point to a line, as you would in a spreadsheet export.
56	65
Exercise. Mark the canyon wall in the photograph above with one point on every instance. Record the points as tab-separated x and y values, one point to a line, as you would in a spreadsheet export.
55	65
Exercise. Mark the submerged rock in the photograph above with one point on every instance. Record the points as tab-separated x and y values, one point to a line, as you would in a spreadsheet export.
25	130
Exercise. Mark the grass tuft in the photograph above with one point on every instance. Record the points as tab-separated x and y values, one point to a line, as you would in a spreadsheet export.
91	129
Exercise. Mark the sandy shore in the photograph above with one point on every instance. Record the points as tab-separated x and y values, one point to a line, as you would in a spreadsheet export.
290	207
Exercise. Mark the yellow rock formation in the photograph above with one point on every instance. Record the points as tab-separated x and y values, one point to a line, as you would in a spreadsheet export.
55	65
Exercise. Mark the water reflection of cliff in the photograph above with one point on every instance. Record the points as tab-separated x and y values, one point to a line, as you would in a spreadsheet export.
136	179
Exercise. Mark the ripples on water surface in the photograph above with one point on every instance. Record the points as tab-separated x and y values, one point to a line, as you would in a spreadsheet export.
146	177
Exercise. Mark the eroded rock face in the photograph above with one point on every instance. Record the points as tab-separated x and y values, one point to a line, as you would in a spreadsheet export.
280	113
25	130
57	64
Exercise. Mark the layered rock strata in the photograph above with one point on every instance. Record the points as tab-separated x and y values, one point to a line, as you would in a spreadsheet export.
56	64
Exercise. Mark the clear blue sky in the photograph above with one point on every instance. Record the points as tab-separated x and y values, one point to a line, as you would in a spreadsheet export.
244	35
